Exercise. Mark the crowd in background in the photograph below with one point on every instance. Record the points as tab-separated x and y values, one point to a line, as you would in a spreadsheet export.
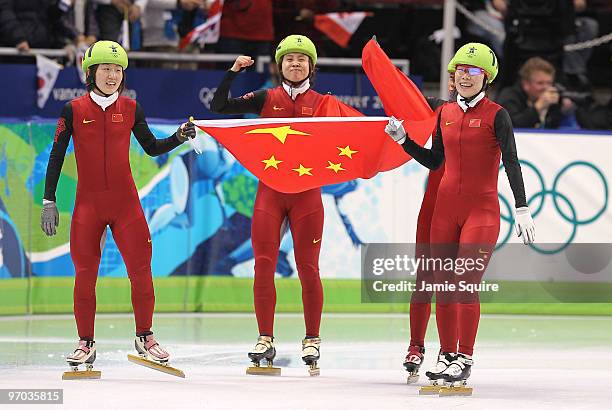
541	84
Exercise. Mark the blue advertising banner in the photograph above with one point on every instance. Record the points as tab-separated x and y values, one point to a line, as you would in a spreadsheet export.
168	94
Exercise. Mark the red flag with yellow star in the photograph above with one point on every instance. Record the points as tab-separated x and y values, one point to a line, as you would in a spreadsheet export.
400	97
296	154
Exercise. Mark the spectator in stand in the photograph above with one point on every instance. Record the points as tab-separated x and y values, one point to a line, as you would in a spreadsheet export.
159	31
575	62
109	16
492	12
535	29
26	24
534	102
76	16
297	17
247	28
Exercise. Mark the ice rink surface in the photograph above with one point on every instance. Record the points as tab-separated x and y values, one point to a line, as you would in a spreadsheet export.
521	362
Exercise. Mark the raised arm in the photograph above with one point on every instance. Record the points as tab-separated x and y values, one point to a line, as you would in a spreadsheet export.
250	103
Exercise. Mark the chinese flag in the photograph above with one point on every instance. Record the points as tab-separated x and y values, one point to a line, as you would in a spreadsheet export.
391	154
400	97
330	106
296	154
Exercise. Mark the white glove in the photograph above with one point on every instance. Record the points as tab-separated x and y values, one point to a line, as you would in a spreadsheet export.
525	228
396	130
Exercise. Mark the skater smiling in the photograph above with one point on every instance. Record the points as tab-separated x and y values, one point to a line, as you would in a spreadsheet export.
101	123
471	135
296	57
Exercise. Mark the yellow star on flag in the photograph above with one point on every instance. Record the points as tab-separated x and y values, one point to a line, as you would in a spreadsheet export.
335	167
302	170
272	162
279	133
347	151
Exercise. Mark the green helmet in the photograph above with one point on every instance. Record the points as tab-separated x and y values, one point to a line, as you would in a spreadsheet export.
477	55
105	52
296	43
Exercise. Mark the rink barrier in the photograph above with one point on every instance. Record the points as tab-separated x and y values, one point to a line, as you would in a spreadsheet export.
53	295
260	61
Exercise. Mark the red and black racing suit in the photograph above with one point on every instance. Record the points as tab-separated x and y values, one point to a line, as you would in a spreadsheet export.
470	144
304	211
106	196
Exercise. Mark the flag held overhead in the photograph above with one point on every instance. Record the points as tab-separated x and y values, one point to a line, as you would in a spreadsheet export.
400	97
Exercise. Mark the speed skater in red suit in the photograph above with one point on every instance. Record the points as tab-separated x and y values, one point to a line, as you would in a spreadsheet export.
100	124
296	58
472	134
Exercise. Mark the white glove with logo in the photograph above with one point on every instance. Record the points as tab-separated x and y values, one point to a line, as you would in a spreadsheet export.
525	228
396	130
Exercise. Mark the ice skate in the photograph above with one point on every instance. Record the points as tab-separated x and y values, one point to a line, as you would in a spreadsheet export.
435	377
153	356
413	362
264	349
310	354
85	353
456	375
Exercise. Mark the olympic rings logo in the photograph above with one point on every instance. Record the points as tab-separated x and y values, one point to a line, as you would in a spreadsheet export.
206	95
558	198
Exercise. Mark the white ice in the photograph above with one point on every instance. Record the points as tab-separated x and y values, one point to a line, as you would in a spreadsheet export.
547	369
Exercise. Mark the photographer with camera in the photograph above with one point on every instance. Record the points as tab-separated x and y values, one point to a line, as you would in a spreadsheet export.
534	101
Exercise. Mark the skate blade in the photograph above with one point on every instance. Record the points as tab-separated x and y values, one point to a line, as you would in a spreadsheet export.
82	375
156	366
264	370
429	390
456	391
413	378
314	371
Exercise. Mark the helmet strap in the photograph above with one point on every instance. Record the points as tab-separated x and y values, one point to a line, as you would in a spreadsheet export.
485	86
90	81
102	92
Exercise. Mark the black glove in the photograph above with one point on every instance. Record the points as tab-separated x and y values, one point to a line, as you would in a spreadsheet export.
186	131
49	218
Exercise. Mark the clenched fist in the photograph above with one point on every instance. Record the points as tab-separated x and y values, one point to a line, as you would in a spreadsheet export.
242	62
